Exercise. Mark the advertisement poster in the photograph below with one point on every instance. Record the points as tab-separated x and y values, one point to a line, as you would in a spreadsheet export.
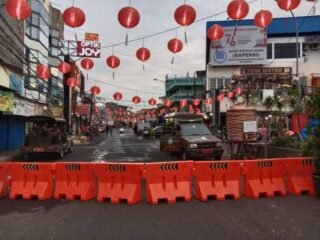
6	101
241	45
88	49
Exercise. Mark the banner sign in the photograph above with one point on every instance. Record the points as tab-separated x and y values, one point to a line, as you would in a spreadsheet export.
241	45
271	70
92	37
6	101
83	109
88	49
23	108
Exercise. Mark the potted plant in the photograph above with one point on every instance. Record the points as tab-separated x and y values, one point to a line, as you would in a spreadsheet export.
311	145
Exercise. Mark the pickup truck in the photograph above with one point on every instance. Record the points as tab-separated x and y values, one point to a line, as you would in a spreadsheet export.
186	134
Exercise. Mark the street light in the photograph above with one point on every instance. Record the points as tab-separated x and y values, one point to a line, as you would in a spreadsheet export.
159	80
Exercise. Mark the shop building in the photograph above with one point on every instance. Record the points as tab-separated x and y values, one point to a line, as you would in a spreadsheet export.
261	62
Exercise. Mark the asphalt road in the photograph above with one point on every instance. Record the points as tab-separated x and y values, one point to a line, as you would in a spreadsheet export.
287	217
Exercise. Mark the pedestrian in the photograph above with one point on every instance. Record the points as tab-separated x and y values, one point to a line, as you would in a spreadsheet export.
107	130
110	129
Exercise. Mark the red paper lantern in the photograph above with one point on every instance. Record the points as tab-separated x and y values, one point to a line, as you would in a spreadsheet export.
185	15
19	9
238	9
288	5
152	102
71	82
195	102
167	103
117	96
43	71
74	17
143	54
215	32
175	45
183	103
136	99
230	94
95	90
128	17
87	63
64	67
220	97
263	18
113	61
209	101
238	90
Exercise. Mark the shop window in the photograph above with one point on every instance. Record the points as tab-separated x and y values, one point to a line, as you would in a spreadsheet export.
269	51
220	83
285	50
212	83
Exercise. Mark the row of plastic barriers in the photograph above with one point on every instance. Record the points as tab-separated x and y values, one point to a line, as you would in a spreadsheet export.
169	181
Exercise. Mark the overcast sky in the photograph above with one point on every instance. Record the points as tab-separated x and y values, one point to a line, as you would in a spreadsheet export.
155	16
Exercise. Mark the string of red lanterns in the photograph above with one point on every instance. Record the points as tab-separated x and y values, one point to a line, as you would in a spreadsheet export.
175	45
64	67
185	15
117	96
136	99
87	63
71	82
113	62
152	102
288	5
95	90
238	9
263	18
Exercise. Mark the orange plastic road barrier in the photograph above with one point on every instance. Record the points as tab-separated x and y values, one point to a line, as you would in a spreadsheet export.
117	182
3	179
74	180
217	179
170	180
264	178
31	180
299	176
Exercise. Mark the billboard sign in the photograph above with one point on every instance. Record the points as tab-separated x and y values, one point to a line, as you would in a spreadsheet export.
241	45
88	49
92	37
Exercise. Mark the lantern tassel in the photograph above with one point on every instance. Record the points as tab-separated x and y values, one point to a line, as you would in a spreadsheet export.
113	75
126	39
185	37
172	60
143	67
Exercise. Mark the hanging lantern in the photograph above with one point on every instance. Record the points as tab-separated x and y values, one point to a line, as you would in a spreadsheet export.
238	90
136	99
87	63
128	17
209	101
215	32
288	5
196	102
220	97
19	9
175	46
43	71
71	82
263	18
230	94
167	103
185	16
64	67
143	54
183	103
95	90
117	96
74	17
238	9
113	62
152	102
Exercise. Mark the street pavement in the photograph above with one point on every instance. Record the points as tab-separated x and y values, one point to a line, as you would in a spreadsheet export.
289	217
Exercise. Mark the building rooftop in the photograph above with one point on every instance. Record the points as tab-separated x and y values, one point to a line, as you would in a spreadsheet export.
280	27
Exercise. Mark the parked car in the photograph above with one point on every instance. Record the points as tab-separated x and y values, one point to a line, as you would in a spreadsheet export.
189	137
46	135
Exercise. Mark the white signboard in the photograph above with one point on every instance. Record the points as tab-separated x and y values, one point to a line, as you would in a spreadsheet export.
249	126
241	45
24	108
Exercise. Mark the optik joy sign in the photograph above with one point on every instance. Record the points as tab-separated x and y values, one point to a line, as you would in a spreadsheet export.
88	49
